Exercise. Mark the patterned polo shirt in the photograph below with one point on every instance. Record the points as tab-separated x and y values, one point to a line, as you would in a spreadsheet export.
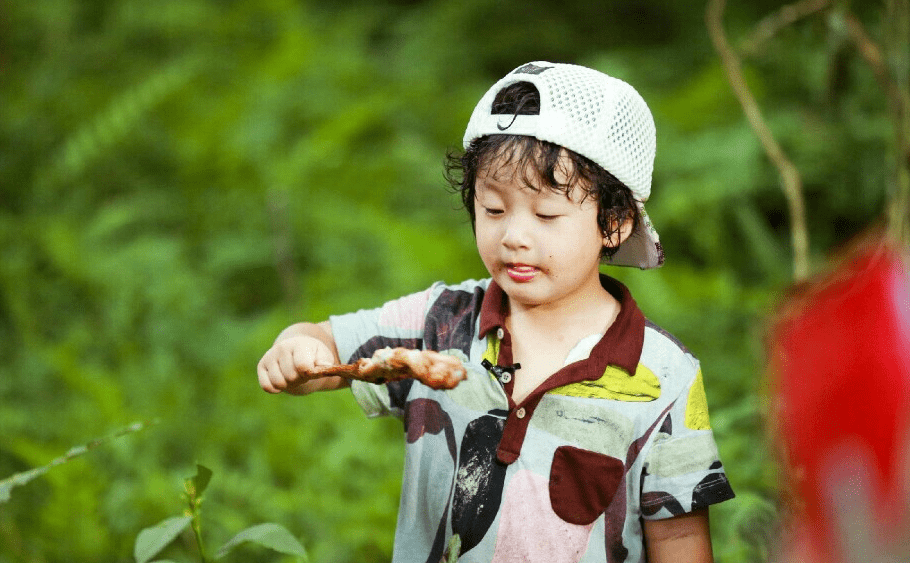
619	434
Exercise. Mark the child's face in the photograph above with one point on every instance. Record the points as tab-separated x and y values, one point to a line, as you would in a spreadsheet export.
541	246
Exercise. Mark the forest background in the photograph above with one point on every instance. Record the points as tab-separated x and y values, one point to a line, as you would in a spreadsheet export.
181	179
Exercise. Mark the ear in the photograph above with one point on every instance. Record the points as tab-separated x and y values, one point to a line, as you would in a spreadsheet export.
620	235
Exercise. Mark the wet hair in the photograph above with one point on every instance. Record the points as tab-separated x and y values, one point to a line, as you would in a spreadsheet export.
539	162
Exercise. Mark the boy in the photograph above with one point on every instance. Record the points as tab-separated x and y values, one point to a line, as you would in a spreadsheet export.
581	431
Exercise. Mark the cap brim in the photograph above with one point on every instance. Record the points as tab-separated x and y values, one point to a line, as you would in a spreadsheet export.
642	249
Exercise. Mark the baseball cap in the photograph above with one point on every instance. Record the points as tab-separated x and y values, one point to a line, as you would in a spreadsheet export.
599	117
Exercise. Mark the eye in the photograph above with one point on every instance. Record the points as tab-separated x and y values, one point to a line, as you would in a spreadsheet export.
492	211
546	217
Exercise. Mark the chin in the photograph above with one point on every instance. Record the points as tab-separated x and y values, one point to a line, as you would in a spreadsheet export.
521	294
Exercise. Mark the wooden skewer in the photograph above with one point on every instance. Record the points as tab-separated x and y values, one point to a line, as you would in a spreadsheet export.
394	364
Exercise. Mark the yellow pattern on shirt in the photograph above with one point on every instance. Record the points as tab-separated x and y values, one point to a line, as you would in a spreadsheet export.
616	384
492	352
697	406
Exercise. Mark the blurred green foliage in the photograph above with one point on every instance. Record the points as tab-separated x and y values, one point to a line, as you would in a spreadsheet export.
181	179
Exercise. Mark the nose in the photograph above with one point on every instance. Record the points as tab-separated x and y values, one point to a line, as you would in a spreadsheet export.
516	233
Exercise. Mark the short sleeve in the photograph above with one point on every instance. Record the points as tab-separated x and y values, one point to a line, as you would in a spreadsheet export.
683	471
397	323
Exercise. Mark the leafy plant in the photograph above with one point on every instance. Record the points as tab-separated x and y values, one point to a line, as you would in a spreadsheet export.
151	541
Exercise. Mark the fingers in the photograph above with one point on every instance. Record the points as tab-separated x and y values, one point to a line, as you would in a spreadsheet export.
269	372
292	362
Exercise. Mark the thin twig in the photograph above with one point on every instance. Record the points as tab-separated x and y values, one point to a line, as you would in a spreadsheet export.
19	479
787	15
898	44
899	105
872	54
790	177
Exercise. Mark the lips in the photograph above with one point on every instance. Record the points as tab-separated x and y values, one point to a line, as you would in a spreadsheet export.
521	273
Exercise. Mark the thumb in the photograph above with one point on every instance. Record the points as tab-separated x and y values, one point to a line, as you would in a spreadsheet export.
323	357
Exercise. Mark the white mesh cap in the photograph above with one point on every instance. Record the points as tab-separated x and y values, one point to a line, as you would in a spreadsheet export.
599	117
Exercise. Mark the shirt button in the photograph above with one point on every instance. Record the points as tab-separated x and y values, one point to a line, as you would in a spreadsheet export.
500	334
506	377
520	413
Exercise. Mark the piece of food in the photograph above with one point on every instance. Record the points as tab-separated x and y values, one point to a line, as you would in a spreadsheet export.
433	369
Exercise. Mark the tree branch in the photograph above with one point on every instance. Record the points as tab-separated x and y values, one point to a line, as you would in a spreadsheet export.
770	25
872	54
899	105
790	177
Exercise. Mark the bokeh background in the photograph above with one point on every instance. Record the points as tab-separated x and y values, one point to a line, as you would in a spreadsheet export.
181	179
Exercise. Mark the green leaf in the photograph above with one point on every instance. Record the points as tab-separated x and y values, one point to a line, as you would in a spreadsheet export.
151	541
272	536
118	120
201	480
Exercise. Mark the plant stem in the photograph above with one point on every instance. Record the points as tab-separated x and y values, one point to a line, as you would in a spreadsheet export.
787	15
894	78
194	502
898	42
791	179
197	531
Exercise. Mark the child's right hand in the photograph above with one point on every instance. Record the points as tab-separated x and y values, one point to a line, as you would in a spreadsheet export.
291	362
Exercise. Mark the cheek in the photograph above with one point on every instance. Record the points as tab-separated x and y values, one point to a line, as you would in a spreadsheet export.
483	236
586	242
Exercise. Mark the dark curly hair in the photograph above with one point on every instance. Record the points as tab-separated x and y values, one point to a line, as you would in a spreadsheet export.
539	161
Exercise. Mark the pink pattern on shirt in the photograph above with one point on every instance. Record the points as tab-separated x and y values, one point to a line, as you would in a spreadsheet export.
406	313
530	531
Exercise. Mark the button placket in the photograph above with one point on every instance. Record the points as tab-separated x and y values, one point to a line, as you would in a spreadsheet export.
515	429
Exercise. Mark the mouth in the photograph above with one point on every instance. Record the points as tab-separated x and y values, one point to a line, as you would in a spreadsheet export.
521	272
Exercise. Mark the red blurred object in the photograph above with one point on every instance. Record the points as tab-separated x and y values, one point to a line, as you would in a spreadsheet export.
840	356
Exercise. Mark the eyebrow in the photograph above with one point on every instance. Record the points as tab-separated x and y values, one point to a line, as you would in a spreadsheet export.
490	183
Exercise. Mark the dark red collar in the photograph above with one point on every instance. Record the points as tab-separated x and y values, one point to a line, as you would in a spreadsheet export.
620	346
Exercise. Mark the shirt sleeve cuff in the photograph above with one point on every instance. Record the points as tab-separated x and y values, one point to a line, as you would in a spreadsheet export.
373	399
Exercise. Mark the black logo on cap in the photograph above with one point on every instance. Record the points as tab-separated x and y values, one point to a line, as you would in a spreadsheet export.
531	68
504	127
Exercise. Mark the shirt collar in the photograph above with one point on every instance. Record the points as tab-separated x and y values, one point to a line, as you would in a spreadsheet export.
621	345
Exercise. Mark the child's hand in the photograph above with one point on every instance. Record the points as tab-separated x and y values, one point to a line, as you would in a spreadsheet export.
292	362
